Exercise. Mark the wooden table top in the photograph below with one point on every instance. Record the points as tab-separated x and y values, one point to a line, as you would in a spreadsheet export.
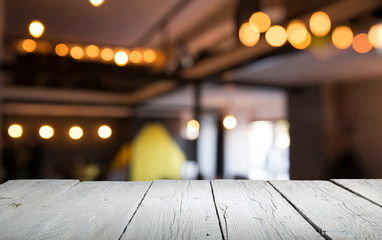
168	209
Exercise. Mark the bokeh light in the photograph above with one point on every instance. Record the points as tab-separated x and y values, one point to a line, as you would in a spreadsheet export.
298	35
319	24
229	122
193	125
104	131
248	35
61	50
107	54
36	28
75	132
29	45
15	131
92	51
260	20
121	58
375	35
77	52
361	43
46	132
149	56
342	37
276	36
135	56
96	3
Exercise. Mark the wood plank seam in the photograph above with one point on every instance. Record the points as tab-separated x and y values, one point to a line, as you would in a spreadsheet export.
124	230
217	213
354	192
317	228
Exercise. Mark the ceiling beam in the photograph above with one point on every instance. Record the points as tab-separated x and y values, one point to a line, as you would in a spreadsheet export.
339	11
65	110
34	94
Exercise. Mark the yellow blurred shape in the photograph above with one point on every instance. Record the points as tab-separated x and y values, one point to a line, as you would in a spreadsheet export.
92	51
121	58
46	132
276	36
29	45
135	56
248	35
15	131
342	37
104	131
260	20
375	35
149	56
155	155
36	28
229	122
122	158
107	54
77	52
75	132
96	3
61	50
361	43
319	24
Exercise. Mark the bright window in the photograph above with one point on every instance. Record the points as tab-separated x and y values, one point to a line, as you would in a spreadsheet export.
269	150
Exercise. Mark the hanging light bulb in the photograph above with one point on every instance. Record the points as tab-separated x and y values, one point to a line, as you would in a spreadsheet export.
319	24
260	20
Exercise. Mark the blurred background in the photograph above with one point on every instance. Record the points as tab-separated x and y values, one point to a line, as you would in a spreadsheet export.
190	89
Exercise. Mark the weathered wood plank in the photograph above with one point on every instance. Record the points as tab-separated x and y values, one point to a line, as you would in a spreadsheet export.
336	212
255	210
17	196
176	210
370	189
89	210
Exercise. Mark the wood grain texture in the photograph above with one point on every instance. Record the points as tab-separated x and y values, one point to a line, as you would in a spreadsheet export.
89	210
336	212
370	189
20	196
255	210
176	210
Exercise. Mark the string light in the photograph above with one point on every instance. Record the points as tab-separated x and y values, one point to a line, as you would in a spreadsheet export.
135	56
36	28
104	131
248	35
342	37
276	36
29	45
77	52
96	3
46	132
15	131
375	35
260	20
319	24
121	58
61	50
229	122
75	132
149	56
107	54
92	51
361	43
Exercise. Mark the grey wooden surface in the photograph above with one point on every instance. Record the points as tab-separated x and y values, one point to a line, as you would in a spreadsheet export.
166	209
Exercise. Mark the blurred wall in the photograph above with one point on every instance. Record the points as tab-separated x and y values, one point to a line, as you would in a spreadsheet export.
336	130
